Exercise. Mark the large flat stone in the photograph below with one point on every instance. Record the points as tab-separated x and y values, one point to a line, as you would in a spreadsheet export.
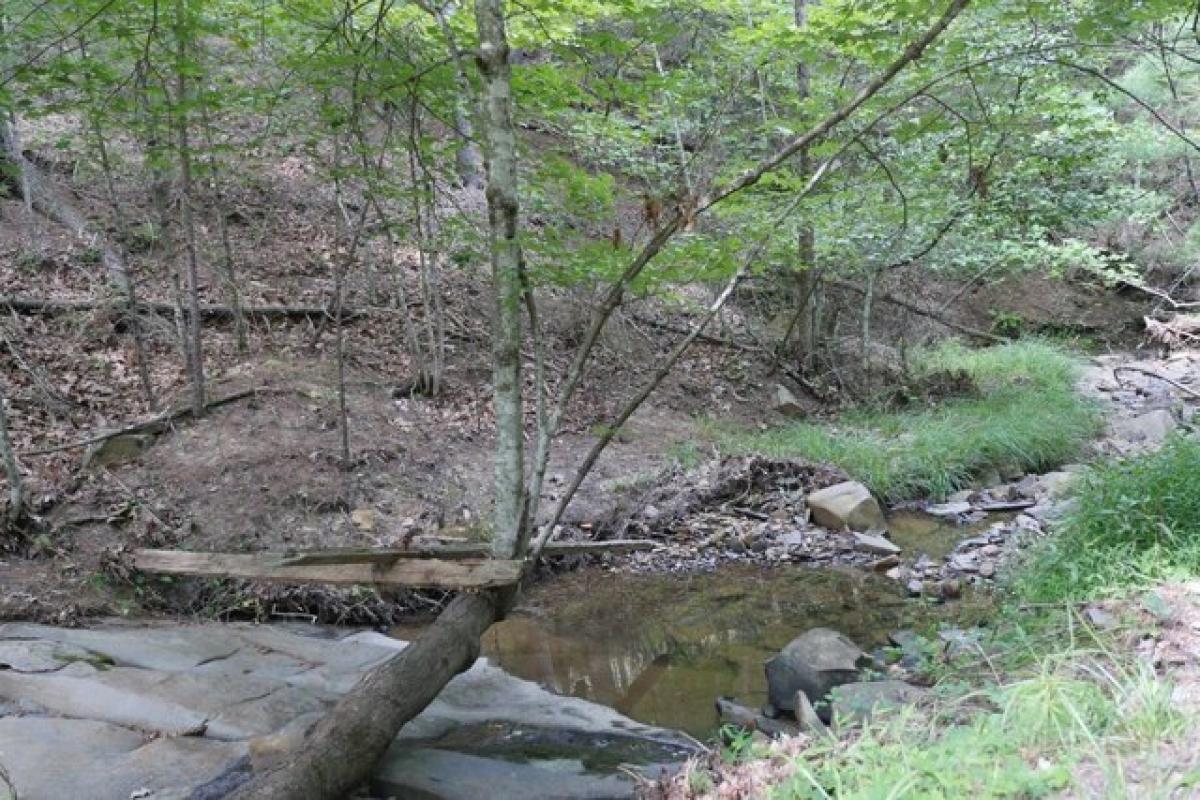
88	698
172	649
62	759
444	775
37	655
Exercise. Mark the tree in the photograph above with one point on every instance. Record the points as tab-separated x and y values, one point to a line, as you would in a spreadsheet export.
339	752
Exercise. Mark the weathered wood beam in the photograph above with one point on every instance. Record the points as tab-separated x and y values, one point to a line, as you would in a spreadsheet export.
482	573
453	551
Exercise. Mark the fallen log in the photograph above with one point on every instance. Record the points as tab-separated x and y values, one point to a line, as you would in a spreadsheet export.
50	308
155	424
916	309
451	552
475	573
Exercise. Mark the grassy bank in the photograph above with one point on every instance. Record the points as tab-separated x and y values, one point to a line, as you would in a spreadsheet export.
1048	705
1132	523
1026	416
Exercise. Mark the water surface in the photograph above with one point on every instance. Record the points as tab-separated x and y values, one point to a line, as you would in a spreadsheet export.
662	648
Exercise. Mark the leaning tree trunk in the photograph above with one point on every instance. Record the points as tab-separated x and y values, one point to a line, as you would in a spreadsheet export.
347	743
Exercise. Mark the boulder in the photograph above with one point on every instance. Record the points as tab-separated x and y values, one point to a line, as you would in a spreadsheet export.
846	505
786	403
1149	429
856	702
1054	484
814	663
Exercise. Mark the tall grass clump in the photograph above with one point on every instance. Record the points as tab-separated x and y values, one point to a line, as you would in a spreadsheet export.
1026	415
1132	523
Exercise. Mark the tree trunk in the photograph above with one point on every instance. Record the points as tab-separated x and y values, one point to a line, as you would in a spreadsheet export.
12	472
347	743
806	288
467	160
509	534
183	143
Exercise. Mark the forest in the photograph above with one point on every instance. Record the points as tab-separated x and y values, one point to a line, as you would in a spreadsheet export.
599	398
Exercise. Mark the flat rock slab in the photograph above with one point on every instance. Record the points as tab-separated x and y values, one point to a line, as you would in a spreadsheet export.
446	775
168	709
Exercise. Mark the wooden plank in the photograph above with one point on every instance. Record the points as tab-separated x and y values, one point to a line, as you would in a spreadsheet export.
483	573
451	552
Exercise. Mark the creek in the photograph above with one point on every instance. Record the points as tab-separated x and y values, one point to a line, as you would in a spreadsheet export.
661	648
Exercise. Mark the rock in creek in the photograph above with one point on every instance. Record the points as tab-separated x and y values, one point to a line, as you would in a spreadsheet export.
814	663
873	542
846	505
734	713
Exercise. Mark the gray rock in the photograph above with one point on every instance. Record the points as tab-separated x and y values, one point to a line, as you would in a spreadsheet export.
807	717
814	663
957	641
444	775
734	713
40	656
47	759
856	702
1149	429
1100	618
952	509
156	647
1054	484
872	542
913	647
846	505
786	403
85	698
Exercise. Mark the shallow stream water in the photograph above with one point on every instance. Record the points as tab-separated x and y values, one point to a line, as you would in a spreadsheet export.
661	648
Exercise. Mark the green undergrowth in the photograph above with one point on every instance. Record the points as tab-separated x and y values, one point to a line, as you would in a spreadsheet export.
1132	523
1024	718
1026	416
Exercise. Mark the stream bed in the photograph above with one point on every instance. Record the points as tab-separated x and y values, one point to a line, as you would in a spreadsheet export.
661	648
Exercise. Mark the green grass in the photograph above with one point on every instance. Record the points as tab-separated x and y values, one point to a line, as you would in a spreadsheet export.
1023	732
1028	416
1134	523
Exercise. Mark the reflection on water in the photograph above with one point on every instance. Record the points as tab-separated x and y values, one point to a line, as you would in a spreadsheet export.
936	537
662	648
